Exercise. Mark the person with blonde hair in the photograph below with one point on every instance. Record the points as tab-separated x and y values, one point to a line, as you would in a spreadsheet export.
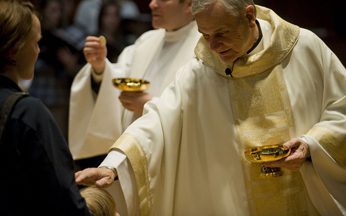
99	201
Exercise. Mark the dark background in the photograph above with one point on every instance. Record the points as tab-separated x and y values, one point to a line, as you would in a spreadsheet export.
325	18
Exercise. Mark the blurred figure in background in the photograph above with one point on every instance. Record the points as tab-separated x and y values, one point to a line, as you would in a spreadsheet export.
86	15
110	26
56	66
69	8
135	25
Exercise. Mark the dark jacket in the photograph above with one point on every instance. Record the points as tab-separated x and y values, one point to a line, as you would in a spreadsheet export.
37	174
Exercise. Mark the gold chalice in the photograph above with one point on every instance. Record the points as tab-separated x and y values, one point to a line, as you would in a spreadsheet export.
267	153
130	84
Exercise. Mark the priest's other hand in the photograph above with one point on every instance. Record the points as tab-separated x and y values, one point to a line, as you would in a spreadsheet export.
95	52
299	154
134	101
100	177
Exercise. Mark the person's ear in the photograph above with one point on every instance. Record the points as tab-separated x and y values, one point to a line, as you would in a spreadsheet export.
250	12
12	54
188	4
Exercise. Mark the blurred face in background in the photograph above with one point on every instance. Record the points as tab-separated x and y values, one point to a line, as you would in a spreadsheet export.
170	14
27	55
52	14
110	18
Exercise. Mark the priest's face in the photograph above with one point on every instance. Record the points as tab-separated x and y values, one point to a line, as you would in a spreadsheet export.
170	14
227	34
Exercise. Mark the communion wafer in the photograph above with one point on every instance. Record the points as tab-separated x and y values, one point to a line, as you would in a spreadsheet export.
102	40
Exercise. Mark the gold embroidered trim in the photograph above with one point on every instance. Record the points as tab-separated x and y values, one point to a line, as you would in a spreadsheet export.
261	106
130	146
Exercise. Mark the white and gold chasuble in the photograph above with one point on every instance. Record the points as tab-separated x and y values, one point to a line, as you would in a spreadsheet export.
187	150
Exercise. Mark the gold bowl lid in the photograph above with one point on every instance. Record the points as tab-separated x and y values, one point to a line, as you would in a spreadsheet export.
130	84
266	153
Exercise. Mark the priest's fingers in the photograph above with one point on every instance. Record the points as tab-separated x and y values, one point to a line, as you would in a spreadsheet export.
93	54
108	176
95	41
299	150
89	176
134	101
293	143
97	60
92	43
299	154
105	181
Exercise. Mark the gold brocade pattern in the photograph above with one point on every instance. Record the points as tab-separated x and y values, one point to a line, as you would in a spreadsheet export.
129	145
262	116
284	195
261	108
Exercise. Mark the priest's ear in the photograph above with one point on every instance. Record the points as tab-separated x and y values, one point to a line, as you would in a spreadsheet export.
250	13
188	4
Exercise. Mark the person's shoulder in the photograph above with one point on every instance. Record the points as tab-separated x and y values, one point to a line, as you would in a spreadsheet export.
192	68
307	33
310	40
308	36
32	107
31	112
30	102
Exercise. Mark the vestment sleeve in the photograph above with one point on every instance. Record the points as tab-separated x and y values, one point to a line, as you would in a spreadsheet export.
126	195
328	145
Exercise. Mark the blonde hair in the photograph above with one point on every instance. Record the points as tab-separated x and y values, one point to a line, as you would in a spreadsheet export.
99	201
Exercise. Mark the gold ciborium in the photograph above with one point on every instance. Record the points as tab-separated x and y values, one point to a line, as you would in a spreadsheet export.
131	84
267	153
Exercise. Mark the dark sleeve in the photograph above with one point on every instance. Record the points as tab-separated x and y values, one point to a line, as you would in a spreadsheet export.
95	86
49	168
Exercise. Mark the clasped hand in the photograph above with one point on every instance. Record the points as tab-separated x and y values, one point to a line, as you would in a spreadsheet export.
299	154
134	101
95	53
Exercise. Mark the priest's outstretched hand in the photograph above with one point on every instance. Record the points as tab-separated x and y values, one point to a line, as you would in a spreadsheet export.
100	177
